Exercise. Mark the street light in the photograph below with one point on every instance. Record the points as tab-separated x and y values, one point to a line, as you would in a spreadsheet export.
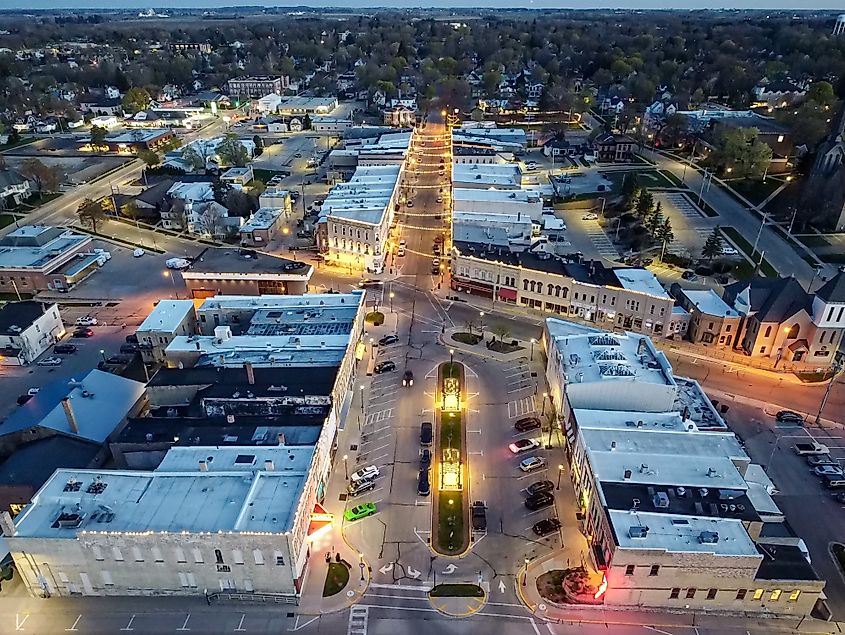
346	466
559	472
391	295
525	575
167	274
103	355
362	398
481	321
361	564
532	349
451	356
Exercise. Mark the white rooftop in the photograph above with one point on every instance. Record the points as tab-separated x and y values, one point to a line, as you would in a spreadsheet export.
286	459
289	302
192	191
641	280
590	419
460	194
489	175
42	256
365	197
709	303
678	445
647	468
263	218
167	316
682	534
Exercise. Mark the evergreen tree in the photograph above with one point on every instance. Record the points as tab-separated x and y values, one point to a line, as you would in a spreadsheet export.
713	246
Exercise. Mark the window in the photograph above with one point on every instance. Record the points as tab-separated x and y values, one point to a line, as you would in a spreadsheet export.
551	289
183	579
197	556
711	594
674	594
258	556
839	315
565	293
740	595
218	556
793	331
655	569
107	579
728	328
775	596
98	553
762	349
117	554
758	594
180	555
629	570
768	331
793	597
691	593
525	285
238	556
280	558
157	554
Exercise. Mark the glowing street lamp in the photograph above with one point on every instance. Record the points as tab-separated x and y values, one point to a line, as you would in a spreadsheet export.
532	349
481	321
346	465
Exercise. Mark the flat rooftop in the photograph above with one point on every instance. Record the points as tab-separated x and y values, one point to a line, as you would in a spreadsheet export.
264	218
365	197
138	135
612	420
216	261
690	397
461	194
784	562
487	174
294	306
266	322
708	302
286	459
662	442
640	280
592	355
76	501
325	104
36	247
646	468
167	315
683	501
19	316
682	534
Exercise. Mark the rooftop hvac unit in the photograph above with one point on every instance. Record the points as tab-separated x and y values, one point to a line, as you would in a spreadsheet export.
661	500
639	531
708	537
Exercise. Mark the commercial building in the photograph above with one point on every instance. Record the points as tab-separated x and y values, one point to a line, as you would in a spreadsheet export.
356	216
134	140
262	227
504	139
307	105
712	321
238	177
276	197
620	297
27	329
256	86
40	257
227	271
491	201
168	319
501	176
780	320
675	513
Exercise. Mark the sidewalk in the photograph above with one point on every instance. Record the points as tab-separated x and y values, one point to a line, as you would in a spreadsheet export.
480	349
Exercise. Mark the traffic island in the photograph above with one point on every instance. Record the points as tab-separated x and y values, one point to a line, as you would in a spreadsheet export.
450	526
569	586
337	577
457	600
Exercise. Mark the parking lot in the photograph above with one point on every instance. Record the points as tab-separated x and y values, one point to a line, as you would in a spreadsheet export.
690	226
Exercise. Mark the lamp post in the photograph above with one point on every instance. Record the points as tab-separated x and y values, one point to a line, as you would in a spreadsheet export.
525	575
362	398
103	355
559	472
167	274
391	295
451	357
361	564
532	350
346	466
481	322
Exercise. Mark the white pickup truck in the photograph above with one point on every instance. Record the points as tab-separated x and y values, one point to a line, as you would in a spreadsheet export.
811	448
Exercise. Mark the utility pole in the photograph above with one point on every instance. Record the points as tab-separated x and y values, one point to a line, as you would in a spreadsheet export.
837	368
760	231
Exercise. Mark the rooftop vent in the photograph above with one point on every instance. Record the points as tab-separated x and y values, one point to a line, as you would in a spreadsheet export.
638	531
708	537
661	500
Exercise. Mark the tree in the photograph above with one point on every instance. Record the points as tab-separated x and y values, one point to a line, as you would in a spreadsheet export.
98	135
130	210
210	221
136	99
149	157
502	331
654	220
238	203
259	145
91	213
739	153
196	159
645	204
232	152
713	245
306	122
46	178
665	235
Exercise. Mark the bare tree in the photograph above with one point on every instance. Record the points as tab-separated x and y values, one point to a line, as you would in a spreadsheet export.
45	177
91	213
212	219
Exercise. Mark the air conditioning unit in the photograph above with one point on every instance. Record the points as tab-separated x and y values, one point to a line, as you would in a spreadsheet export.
638	531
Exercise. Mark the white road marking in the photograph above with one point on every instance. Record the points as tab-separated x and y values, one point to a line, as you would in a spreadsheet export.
128	627
358	618
184	626
73	626
521	407
241	624
20	622
534	626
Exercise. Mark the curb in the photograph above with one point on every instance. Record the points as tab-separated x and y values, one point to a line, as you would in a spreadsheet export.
482	602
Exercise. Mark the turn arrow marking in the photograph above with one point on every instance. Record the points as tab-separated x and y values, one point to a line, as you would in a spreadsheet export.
386	568
413	572
450	569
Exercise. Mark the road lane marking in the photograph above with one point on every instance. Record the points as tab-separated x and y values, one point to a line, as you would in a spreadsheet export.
20	622
128	627
73	626
241	623
184	626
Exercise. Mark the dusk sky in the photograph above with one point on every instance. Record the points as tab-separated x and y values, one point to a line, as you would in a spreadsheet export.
537	4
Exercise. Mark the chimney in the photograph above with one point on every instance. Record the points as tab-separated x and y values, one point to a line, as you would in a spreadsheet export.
612	445
7	526
203	466
268	465
281	438
71	417
685	413
250	373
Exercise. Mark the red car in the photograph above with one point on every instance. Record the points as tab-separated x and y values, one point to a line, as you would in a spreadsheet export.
84	332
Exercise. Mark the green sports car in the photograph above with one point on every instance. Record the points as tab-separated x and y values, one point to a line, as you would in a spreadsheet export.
359	511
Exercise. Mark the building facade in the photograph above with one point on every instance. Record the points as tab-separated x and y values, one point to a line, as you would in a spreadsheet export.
167	320
27	329
257	86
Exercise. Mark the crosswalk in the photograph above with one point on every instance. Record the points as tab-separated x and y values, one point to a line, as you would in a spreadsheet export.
521	407
358	618
600	240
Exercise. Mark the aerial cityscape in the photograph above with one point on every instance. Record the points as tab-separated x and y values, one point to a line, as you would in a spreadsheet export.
521	318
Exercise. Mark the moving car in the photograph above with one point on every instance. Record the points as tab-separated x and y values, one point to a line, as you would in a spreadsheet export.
527	423
364	485
408	378
590	216
423	483
401	251
64	349
479	516
83	332
524	445
50	361
365	473
86	321
388	339
439	199
384	367
359	511
539	486
177	263
409	204
789	416
539	501
546	526
435	266
369	282
425	433
532	463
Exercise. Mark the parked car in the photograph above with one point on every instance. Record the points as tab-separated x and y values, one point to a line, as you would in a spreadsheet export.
527	423
426	433
532	463
409	204
365	473
388	339
539	501
86	321
293	265
128	348
425	458
177	263
539	486
118	359
408	378
590	216
138	252
839	497
789	416
828	470
359	511
689	275
50	361
546	526
821	459
423	483
400	252
64	349
359	487
813	447
369	282
524	445
479	516
384	367
83	332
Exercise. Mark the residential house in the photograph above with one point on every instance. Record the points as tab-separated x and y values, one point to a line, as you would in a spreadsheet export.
14	188
179	196
27	329
614	148
712	321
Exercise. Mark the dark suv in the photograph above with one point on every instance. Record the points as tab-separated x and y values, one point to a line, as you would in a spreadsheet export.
426	433
528	423
64	349
539	501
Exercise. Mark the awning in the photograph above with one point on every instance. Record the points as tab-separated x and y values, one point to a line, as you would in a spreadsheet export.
798	345
508	294
321	522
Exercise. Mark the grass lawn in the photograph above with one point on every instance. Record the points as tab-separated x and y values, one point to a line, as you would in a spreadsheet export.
450	532
744	246
457	591
450	431
20	142
672	178
812	377
13	297
466	338
374	317
337	578
838	551
814	240
6	219
646	178
755	190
